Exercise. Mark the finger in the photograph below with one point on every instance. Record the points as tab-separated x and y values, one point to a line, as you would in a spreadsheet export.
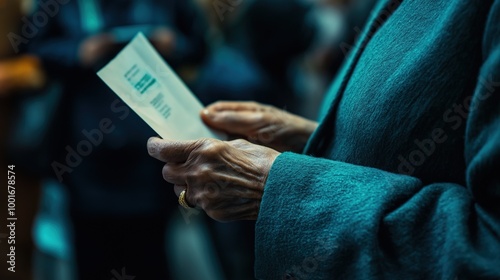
235	122
174	174
170	151
178	189
233	106
242	144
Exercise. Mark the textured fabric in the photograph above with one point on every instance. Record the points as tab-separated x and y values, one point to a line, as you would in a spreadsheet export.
400	180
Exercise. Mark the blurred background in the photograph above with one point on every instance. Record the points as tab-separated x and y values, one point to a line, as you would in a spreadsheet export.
106	213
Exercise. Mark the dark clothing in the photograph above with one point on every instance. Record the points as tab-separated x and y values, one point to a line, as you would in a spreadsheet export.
131	240
400	180
229	74
258	52
58	41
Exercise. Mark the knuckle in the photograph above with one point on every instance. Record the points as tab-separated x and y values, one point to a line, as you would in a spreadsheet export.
204	171
212	147
195	146
262	117
240	142
200	174
211	190
167	173
191	198
191	178
203	201
217	104
256	104
225	118
205	142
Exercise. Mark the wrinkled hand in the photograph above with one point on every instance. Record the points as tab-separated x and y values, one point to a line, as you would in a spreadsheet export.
224	178
261	124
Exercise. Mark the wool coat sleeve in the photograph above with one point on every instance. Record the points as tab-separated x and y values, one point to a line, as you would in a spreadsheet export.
324	219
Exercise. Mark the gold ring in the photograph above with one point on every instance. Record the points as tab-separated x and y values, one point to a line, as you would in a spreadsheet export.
182	200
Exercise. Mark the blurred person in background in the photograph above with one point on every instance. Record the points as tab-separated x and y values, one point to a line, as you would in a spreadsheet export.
119	226
339	23
254	44
20	75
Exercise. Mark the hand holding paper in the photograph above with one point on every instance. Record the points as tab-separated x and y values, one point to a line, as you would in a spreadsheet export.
140	77
143	80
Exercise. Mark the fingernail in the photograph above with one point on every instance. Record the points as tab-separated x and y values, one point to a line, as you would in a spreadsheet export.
207	113
152	147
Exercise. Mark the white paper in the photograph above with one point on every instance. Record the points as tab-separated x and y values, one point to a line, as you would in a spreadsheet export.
144	81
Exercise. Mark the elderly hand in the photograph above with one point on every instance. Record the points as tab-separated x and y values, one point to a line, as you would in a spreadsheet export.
261	124
224	178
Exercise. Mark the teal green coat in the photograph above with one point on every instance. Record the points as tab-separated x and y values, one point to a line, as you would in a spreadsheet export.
402	178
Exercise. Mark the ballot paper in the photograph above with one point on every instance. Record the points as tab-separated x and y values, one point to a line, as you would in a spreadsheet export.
144	81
